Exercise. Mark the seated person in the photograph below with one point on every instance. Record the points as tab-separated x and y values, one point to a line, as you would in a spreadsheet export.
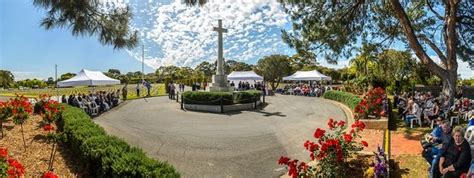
434	112
432	150
456	158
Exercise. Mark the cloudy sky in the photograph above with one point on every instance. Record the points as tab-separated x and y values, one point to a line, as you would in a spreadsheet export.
171	32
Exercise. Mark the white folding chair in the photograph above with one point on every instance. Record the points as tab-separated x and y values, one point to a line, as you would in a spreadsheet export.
453	119
417	118
469	135
94	108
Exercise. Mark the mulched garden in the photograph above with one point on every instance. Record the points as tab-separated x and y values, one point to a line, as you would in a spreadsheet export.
38	150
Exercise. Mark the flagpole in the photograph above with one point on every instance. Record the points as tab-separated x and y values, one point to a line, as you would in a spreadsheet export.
143	62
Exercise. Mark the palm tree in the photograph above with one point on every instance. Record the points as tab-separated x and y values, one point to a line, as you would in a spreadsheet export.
90	17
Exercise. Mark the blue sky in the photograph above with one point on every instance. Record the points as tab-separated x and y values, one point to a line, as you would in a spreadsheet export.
173	34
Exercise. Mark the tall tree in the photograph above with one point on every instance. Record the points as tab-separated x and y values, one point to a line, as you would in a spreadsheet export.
231	65
50	81
66	76
333	28
273	68
206	68
107	20
113	73
6	78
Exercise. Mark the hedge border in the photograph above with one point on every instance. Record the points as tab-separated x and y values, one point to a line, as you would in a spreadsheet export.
213	98
104	155
347	99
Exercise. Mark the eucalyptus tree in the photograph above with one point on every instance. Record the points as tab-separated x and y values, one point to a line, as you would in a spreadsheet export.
334	28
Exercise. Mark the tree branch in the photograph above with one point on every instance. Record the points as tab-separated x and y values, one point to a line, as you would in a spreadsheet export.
413	41
435	48
433	11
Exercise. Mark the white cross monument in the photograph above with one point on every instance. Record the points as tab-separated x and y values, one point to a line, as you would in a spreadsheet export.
219	80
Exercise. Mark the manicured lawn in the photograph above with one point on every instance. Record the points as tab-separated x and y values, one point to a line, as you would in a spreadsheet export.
409	166
156	90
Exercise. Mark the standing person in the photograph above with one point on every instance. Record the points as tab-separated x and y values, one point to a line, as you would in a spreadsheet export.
138	89
125	92
169	89
148	87
172	90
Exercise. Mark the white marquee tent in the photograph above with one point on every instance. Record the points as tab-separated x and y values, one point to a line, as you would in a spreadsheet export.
243	75
313	75
88	78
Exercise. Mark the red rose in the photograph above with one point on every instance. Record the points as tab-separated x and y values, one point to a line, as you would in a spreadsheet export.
3	153
319	133
50	175
331	123
341	123
283	160
347	137
48	127
364	143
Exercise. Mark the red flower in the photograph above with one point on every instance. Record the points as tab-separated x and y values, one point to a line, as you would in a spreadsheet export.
48	127
341	123
3	153
283	160
50	175
331	123
319	133
347	137
364	143
307	143
16	169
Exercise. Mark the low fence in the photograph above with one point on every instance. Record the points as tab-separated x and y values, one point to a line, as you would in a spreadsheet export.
222	107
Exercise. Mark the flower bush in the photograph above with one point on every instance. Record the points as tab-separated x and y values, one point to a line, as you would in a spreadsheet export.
21	110
371	104
5	113
51	111
330	151
9	167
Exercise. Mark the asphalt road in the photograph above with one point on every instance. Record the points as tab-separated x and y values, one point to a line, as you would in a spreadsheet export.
243	144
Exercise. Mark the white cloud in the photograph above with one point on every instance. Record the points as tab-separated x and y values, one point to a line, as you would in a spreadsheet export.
22	75
184	34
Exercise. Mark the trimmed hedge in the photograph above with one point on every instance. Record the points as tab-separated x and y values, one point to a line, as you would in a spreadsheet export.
213	98
208	98
348	99
242	97
104	155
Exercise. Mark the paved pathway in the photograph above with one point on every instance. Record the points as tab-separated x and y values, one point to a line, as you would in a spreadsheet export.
244	144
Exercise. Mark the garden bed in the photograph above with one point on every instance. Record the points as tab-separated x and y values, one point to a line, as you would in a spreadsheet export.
376	124
36	157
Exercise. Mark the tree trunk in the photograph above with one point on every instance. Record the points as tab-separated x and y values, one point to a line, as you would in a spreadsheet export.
449	86
272	84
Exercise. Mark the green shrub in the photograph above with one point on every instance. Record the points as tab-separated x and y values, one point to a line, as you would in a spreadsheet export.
208	98
104	155
247	96
348	99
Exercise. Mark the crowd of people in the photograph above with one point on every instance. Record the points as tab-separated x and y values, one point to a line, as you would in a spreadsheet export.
93	103
304	89
245	85
448	151
426	107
